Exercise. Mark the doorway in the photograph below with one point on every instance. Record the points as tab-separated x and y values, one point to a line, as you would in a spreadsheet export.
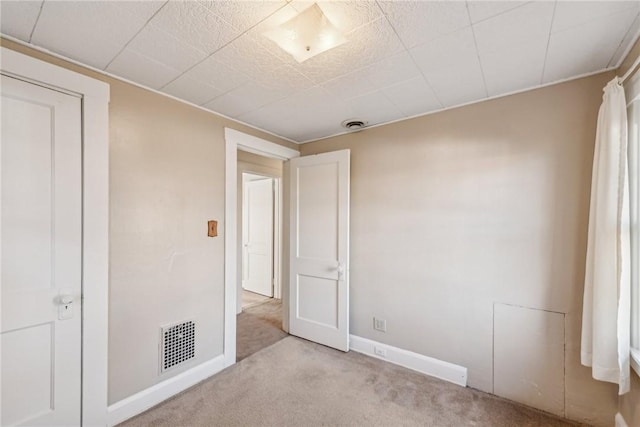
259	322
234	141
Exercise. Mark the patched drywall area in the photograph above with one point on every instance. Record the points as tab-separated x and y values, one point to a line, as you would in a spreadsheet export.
456	211
528	356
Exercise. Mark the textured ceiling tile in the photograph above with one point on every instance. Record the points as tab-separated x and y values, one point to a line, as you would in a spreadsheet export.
394	69
418	22
243	14
285	79
344	15
572	13
248	56
230	105
244	99
191	90
359	51
412	97
451	66
216	74
386	72
527	24
480	10
163	47
628	41
140	69
585	48
194	24
283	109
516	68
92	32
373	108
17	18
350	85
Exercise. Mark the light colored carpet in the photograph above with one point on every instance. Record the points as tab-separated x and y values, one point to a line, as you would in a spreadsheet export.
249	299
258	327
298	383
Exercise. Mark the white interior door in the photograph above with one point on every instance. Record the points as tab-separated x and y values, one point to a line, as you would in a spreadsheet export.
40	261
257	232
319	219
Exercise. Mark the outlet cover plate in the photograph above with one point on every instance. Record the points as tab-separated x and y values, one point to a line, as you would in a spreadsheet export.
379	324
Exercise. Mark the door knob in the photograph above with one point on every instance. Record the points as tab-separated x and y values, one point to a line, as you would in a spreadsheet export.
65	309
340	271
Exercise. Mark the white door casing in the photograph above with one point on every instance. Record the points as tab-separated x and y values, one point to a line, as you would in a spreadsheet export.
40	231
319	248
234	141
257	236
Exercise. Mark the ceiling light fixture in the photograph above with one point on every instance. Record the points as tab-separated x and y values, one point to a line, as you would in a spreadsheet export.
307	34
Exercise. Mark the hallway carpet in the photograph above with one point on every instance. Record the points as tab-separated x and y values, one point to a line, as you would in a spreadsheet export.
259	326
249	299
298	383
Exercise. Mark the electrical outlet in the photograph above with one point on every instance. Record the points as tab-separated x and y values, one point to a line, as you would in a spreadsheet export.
379	351
379	324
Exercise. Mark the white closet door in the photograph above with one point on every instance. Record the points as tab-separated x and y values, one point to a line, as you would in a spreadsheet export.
40	233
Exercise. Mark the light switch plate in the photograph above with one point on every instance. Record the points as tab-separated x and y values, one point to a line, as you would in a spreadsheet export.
212	229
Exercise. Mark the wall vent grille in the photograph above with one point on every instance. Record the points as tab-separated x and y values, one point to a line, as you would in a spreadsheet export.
177	344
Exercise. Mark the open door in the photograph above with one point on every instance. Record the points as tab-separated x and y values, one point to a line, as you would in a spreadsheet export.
319	248
257	236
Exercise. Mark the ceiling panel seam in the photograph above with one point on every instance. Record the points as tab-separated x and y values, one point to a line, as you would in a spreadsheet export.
546	52
136	34
424	77
621	44
475	44
36	21
225	45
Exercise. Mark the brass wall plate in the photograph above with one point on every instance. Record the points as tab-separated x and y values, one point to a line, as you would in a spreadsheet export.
212	228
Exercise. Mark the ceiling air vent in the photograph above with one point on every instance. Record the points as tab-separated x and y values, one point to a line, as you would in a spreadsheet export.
354	124
177	344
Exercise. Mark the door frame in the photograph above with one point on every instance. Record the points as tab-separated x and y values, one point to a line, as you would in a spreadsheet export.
234	141
94	96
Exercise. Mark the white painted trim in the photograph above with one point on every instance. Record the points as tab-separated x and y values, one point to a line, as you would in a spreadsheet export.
20	65
635	360
131	82
150	397
95	218
259	146
235	140
620	421
427	365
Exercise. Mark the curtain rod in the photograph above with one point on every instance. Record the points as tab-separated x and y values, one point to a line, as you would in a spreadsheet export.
630	70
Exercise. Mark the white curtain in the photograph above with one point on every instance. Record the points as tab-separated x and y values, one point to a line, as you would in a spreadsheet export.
606	309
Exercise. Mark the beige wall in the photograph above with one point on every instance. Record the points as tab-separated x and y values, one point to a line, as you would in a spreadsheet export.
456	211
166	181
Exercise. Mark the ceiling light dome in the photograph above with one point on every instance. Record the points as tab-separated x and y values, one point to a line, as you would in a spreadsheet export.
307	34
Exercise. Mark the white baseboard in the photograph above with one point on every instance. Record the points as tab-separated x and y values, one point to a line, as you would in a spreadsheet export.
145	399
427	365
620	422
